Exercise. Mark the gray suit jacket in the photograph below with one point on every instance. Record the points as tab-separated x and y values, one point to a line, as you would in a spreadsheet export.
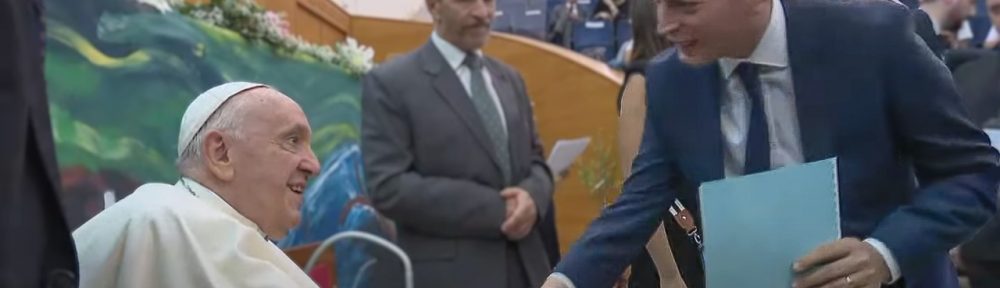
430	166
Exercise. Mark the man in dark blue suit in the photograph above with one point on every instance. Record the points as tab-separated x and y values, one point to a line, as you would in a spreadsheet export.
761	84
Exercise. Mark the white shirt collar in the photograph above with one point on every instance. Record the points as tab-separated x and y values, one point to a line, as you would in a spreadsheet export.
213	200
772	50
453	55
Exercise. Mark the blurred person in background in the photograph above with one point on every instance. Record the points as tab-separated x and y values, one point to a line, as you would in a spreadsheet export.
561	22
611	9
993	38
948	18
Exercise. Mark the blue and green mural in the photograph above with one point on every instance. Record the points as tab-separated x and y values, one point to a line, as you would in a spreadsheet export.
120	74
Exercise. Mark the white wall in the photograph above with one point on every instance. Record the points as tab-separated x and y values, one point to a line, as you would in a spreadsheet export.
393	9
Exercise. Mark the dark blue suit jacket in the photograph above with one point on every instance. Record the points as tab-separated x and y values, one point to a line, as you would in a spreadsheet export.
914	172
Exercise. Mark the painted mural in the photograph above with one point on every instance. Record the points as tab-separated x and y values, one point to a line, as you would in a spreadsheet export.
120	74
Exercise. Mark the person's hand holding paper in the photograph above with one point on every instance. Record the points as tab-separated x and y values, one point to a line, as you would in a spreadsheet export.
564	153
772	234
847	262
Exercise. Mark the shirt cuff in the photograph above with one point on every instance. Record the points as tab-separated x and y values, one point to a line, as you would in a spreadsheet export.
561	278
887	255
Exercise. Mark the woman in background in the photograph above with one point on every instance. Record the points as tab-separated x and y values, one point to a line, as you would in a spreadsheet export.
611	9
659	266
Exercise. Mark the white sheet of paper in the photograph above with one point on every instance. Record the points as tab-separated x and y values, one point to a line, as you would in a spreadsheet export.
565	152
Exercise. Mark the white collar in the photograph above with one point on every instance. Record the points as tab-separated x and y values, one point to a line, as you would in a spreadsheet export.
213	200
453	55
771	50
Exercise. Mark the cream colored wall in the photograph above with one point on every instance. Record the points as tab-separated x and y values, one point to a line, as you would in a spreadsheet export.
414	10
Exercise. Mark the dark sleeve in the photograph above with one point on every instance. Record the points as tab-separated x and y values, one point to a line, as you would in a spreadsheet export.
434	206
925	29
953	159
620	233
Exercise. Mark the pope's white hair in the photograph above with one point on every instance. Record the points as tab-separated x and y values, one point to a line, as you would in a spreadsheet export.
228	119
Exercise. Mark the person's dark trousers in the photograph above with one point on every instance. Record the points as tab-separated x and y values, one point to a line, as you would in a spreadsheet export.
981	256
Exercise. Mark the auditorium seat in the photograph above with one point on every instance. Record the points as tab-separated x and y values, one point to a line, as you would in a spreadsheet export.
623	31
588	5
594	39
502	22
530	21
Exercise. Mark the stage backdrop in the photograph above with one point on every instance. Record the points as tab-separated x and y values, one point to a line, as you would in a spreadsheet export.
120	74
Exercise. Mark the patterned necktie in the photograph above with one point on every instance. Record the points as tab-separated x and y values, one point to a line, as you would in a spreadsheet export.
758	154
489	114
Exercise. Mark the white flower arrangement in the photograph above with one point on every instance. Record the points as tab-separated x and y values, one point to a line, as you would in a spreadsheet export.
356	57
258	24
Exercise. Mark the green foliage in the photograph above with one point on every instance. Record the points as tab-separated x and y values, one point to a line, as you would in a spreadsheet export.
600	173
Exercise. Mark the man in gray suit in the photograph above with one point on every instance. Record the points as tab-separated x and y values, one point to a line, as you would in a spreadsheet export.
451	154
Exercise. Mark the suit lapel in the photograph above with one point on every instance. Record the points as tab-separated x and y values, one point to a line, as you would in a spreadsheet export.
504	87
703	85
449	87
814	100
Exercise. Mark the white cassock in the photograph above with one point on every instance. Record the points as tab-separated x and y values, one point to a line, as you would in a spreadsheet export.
172	236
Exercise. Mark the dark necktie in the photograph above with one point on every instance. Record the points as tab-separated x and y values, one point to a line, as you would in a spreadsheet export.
489	113
758	154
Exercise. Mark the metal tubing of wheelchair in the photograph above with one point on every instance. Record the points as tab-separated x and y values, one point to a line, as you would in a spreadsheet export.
407	266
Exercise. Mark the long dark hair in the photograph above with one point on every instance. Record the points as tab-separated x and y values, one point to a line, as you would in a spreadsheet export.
646	42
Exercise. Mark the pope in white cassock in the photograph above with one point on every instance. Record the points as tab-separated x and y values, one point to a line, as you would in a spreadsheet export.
244	159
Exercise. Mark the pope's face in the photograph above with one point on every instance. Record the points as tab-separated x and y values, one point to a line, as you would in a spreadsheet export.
272	161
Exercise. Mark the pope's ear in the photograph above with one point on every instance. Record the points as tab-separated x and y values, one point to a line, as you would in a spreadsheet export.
216	155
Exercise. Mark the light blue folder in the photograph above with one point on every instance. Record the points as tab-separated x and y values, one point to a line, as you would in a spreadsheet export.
756	226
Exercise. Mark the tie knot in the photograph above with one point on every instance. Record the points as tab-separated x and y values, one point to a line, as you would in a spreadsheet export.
473	61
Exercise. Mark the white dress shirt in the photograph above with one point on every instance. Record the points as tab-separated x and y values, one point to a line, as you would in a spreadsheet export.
455	56
771	54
